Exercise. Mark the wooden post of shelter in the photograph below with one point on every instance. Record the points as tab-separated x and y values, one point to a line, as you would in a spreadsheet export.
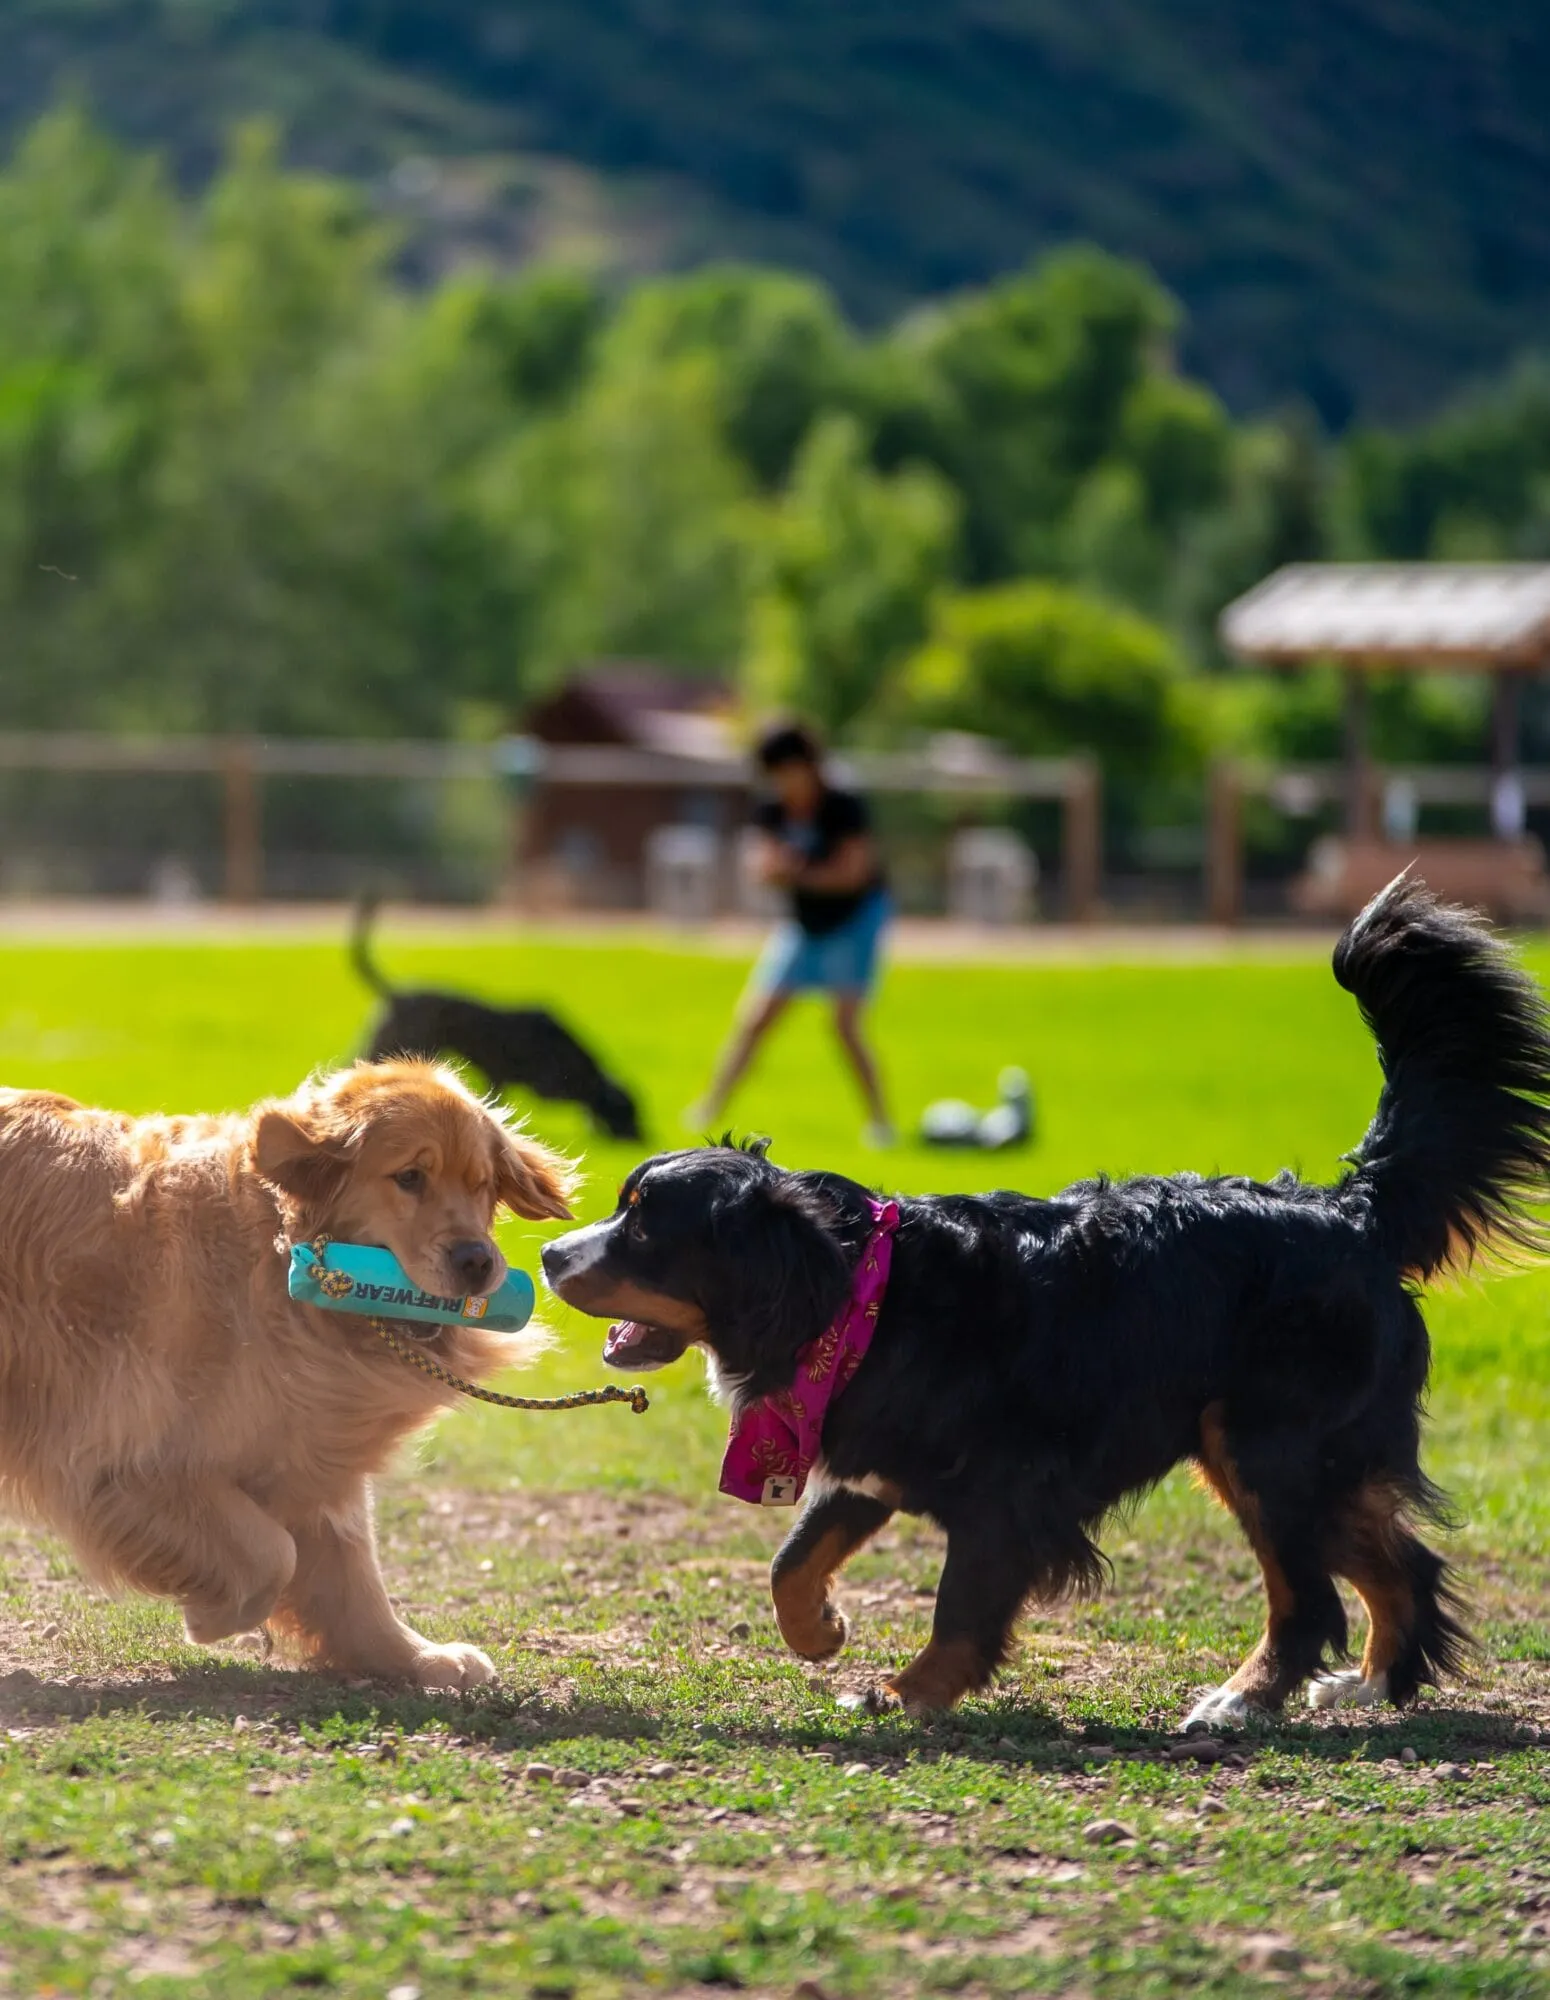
1224	843
1507	803
1082	839
242	822
1356	747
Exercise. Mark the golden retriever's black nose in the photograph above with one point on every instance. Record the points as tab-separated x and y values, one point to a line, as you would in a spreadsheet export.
473	1262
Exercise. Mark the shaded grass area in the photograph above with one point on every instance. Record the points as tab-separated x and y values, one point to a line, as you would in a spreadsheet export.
180	1821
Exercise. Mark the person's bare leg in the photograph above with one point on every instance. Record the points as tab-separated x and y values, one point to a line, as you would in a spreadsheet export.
847	1023
751	1029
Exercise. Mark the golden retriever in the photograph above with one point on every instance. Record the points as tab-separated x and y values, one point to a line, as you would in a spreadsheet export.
171	1412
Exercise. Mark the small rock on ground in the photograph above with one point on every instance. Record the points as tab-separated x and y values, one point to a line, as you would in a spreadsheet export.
1266	1952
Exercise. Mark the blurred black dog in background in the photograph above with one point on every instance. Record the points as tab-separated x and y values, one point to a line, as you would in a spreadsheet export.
525	1046
1037	1362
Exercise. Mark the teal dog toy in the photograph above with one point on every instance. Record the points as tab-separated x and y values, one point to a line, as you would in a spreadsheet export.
360	1278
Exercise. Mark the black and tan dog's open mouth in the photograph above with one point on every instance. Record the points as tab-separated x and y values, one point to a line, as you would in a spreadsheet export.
636	1344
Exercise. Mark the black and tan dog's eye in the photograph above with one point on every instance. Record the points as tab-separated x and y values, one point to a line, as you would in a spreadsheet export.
411	1180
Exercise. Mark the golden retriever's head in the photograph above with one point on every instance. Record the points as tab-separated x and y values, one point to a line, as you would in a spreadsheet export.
403	1155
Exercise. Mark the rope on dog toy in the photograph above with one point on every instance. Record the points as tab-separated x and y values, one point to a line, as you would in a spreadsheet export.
336	1288
418	1358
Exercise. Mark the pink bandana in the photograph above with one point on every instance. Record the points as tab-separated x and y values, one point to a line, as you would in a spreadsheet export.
774	1441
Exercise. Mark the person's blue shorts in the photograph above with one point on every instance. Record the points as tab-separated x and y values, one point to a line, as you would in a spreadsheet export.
840	961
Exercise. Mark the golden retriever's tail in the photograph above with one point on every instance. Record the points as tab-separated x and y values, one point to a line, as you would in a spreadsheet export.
360	947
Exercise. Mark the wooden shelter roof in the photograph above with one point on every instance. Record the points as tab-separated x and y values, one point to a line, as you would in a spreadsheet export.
1396	614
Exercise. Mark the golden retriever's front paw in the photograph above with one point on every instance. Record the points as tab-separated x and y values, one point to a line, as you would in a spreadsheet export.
453	1667
208	1621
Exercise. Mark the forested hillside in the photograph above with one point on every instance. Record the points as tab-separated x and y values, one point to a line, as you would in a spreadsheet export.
1348	195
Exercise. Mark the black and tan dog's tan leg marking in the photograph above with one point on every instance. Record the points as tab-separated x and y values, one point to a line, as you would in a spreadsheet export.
1303	1612
1411	1636
833	1525
986	1579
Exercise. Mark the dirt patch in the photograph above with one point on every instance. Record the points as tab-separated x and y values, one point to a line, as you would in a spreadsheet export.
570	1581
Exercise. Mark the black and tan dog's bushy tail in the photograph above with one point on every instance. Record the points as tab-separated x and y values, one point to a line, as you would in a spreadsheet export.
365	965
1456	1163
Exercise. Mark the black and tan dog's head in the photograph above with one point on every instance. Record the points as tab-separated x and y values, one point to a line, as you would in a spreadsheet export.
714	1247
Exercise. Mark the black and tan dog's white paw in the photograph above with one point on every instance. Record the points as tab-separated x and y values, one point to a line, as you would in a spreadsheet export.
1350	1689
878	1699
1225	1707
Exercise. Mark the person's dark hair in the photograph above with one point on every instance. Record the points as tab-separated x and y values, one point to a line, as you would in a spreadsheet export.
787	743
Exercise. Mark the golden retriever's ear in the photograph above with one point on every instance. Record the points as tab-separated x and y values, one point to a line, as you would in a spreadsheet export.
531	1179
301	1163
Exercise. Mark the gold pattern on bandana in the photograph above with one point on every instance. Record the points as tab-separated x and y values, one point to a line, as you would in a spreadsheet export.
821	1354
772	1458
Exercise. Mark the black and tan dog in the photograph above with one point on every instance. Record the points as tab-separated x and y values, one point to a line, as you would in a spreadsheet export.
1035	1362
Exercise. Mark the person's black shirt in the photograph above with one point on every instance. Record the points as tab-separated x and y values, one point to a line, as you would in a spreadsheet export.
840	816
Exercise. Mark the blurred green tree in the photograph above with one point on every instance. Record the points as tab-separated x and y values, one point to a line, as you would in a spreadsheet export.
248	480
1037	373
1472	484
92	346
775	348
847	564
633	509
1050	671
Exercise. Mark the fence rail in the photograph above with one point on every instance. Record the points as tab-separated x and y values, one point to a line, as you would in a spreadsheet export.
1302	789
242	763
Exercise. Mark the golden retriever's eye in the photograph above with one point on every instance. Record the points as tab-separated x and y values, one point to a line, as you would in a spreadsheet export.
410	1179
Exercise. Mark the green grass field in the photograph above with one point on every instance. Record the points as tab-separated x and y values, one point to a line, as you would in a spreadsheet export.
181	1822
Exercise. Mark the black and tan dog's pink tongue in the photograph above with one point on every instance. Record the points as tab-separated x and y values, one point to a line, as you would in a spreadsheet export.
622	1336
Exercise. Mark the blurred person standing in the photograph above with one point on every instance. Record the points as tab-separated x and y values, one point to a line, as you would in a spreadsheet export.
814	841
